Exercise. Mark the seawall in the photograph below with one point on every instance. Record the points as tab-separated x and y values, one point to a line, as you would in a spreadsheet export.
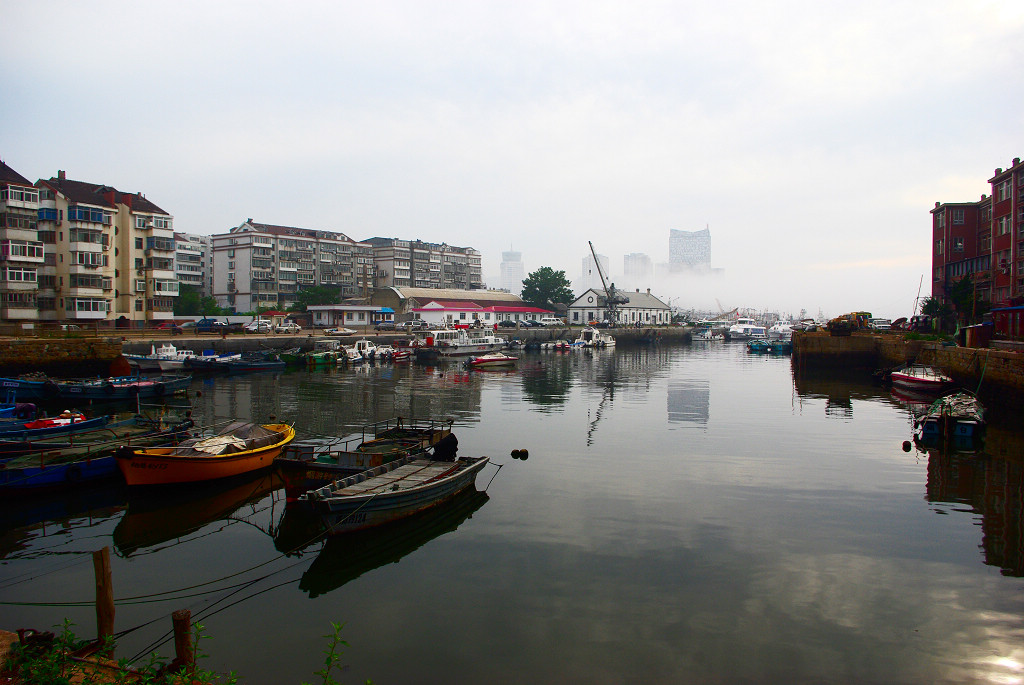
969	366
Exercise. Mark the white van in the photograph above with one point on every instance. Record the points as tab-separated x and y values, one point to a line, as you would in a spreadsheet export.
881	324
551	321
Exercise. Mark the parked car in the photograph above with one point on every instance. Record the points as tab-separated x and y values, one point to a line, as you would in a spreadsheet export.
208	325
551	321
174	328
507	323
287	327
338	331
384	325
70	327
880	324
415	325
529	323
258	326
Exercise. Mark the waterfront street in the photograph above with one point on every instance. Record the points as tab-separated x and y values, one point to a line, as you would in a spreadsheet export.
687	514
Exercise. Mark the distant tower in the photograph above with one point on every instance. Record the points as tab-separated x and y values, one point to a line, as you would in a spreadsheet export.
589	277
637	270
689	250
512	272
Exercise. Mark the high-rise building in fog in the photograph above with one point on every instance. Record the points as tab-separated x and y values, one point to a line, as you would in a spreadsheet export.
689	250
589	277
512	272
637	270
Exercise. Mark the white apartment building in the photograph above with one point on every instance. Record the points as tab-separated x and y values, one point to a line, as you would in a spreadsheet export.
192	262
107	255
417	264
260	266
21	252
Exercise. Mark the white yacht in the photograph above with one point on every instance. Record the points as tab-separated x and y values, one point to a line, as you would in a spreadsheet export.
461	342
747	329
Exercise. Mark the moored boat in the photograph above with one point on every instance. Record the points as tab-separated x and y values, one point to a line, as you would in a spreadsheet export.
241	448
458	342
308	465
391	492
492	360
920	378
592	337
112	388
958	415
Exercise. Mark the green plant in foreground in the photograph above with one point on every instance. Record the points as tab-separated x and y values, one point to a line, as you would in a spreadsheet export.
333	655
53	664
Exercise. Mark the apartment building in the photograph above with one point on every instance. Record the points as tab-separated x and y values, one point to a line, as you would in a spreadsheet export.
21	251
260	266
418	264
983	240
193	262
112	254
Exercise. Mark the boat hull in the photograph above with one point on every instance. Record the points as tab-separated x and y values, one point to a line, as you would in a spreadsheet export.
341	514
57	476
163	466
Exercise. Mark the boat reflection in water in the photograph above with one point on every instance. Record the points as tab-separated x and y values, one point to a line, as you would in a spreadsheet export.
157	516
346	557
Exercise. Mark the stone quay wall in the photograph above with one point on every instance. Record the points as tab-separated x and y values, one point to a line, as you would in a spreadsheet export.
969	366
58	356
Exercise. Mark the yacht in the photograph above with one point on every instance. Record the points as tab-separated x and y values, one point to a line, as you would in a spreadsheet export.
747	329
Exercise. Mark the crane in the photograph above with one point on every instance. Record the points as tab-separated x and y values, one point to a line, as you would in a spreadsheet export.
612	299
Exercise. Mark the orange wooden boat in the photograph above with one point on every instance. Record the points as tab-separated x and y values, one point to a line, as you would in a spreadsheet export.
241	448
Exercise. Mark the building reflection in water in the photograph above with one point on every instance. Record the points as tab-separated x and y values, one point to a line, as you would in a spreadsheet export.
689	400
994	489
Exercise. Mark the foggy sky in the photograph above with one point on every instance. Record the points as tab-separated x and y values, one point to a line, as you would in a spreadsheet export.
812	138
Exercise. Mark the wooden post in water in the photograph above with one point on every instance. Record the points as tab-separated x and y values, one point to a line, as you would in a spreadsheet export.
104	594
183	654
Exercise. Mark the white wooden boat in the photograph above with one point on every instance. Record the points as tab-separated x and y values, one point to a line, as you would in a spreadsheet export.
391	492
165	358
363	350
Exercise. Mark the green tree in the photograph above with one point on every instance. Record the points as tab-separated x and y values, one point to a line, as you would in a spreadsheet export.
318	294
965	299
546	287
187	301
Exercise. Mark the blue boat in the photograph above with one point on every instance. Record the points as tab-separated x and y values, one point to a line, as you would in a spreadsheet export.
112	388
51	465
48	428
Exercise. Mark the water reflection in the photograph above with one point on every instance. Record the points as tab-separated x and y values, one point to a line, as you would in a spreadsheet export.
346	557
994	489
158	516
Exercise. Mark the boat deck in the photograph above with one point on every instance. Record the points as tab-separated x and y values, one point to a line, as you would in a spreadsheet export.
404	477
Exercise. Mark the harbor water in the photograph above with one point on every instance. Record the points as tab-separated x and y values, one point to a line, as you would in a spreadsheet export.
686	514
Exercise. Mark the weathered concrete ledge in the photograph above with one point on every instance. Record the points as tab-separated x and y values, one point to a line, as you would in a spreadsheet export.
59	357
969	366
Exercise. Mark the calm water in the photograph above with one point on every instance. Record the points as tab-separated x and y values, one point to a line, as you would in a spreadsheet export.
685	515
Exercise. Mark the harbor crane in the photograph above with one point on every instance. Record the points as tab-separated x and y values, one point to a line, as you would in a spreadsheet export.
612	297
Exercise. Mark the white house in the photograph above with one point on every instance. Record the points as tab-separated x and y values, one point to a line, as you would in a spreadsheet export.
642	308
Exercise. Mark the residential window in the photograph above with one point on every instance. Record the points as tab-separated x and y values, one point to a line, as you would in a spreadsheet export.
1002	225
1003	191
938	247
958	244
958	217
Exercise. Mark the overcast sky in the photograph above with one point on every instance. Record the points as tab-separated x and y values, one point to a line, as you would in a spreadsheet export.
811	137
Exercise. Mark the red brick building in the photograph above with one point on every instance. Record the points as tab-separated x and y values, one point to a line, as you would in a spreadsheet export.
983	240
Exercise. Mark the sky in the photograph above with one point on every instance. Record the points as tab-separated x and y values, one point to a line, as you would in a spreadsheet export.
812	138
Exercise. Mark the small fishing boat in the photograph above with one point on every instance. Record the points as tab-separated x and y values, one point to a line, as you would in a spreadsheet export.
325	353
63	424
165	358
362	351
957	415
592	337
243	447
759	346
492	360
113	388
307	465
86	457
391	492
293	356
920	378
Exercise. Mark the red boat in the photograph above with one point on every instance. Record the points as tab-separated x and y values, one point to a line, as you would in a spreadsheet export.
920	378
492	360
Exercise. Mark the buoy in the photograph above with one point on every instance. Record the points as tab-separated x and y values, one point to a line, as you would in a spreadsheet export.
906	445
